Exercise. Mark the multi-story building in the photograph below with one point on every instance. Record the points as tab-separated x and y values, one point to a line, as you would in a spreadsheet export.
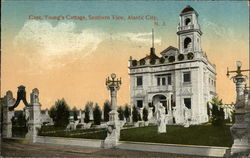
178	77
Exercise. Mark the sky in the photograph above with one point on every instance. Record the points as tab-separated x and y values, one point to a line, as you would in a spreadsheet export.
49	45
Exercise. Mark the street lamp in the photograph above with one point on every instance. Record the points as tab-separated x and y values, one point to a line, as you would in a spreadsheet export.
113	126
238	71
239	128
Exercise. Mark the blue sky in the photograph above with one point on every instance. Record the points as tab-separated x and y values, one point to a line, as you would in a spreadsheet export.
227	14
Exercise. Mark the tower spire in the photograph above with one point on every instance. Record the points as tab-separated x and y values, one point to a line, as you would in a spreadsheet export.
152	49
152	38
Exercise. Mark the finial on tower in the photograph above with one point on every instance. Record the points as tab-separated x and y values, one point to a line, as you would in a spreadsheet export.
152	38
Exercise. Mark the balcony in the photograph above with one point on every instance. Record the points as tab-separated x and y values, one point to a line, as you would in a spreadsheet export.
155	89
187	27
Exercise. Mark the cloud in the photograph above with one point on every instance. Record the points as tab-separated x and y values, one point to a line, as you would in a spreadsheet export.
219	31
59	39
144	38
46	46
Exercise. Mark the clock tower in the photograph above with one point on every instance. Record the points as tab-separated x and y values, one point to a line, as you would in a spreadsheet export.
189	33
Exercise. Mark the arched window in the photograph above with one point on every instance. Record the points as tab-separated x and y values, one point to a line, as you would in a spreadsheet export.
187	42
187	21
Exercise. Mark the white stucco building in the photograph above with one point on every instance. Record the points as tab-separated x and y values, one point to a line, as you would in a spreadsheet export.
176	77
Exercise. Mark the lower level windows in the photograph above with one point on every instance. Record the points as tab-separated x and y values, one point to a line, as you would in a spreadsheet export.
139	103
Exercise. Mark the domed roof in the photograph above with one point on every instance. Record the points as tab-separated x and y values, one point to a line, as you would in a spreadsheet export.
187	9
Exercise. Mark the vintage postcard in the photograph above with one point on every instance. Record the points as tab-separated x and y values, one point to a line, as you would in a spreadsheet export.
168	77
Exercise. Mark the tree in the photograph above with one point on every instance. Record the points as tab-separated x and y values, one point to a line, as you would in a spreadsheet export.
120	113
75	113
127	112
106	110
60	113
135	115
208	110
145	114
97	115
218	118
19	120
88	105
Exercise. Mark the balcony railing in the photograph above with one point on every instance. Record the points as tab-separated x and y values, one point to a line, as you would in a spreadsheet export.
187	27
160	88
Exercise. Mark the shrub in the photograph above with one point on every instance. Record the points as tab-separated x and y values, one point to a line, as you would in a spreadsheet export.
75	113
135	115
145	114
106	110
127	112
97	115
60	113
217	112
120	113
88	105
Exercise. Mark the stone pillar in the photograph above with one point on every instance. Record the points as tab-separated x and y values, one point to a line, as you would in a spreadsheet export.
8	101
34	122
113	129
239	128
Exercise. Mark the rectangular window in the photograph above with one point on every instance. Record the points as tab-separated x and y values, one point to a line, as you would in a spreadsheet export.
163	81
158	81
186	77
187	102
139	81
139	103
169	80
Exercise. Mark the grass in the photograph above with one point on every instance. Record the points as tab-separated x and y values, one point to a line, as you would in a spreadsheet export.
79	133
206	135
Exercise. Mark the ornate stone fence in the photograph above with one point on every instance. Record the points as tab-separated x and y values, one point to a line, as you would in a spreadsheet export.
33	113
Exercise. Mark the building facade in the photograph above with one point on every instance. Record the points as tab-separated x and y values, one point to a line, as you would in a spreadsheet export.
178	77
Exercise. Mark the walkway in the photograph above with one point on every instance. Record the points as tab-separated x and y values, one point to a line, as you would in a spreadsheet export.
13	149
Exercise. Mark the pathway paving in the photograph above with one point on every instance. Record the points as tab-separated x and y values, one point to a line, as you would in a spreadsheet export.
14	149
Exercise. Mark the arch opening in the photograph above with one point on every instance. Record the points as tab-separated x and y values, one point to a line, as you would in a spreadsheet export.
187	21
187	43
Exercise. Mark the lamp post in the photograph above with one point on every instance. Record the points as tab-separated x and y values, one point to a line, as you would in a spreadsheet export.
113	85
239	130
113	126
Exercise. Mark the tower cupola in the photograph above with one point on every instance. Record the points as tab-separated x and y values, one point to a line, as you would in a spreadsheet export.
188	31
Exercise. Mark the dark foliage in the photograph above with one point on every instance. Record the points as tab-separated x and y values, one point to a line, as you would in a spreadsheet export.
145	114
106	110
135	115
97	115
75	113
60	113
127	112
217	112
120	113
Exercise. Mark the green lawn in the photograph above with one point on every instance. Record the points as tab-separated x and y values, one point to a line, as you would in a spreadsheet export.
207	135
194	135
79	133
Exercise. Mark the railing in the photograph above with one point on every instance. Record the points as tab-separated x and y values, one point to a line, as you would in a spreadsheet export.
160	88
185	27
